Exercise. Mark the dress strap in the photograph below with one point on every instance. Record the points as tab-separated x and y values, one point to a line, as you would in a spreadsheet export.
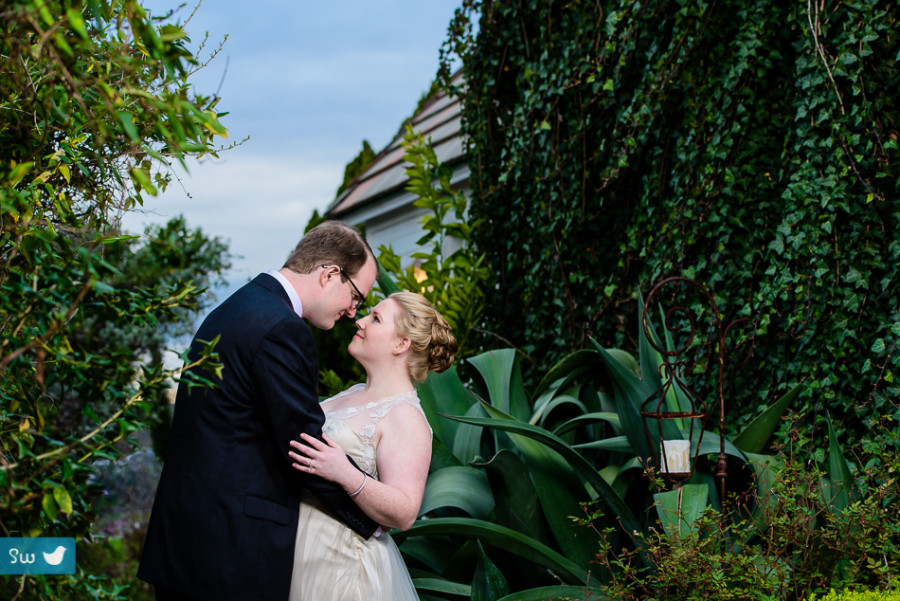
363	419
343	393
379	409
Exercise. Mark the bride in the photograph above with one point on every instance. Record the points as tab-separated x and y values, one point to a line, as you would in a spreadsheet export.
382	427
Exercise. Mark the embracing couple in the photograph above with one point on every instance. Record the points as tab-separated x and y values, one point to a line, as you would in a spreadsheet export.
228	522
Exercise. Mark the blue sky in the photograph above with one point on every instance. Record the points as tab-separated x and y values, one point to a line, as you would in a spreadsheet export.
307	81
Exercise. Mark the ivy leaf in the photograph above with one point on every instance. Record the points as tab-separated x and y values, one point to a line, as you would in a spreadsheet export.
62	499
49	506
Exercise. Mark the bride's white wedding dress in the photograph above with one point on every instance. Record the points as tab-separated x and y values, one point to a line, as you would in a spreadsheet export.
331	561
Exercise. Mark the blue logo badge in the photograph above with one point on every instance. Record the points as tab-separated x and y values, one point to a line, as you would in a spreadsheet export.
37	555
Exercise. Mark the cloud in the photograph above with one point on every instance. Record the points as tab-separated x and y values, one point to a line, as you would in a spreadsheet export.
259	203
307	82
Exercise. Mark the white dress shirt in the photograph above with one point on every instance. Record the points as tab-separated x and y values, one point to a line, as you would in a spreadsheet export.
292	294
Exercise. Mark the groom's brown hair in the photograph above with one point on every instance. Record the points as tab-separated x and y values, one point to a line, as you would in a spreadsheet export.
330	243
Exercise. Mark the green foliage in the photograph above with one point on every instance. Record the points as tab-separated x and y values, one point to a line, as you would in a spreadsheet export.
796	552
95	101
359	164
561	503
830	538
710	561
750	146
537	463
797	538
80	398
834	595
452	276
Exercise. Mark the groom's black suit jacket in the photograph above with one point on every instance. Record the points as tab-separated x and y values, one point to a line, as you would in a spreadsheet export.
225	514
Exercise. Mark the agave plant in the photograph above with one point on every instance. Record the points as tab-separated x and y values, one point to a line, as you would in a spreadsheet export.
522	484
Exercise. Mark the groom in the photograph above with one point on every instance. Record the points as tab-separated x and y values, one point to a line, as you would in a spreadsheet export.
225	514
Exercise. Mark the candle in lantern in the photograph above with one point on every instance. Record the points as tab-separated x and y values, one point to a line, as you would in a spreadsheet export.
675	457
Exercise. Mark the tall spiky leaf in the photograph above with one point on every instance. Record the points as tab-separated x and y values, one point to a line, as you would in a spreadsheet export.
754	437
502	538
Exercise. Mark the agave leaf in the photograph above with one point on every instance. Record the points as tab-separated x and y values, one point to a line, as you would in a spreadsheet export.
623	479
625	359
467	442
587	419
712	484
433	553
676	398
559	490
516	501
591	397
571	457
438	585
844	488
503	379
678	509
631	392
765	470
616	444
488	582
711	445
754	437
558	402
441	456
831	493
611	474
648	357
569	368
444	393
502	538
541	402
570	593
459	486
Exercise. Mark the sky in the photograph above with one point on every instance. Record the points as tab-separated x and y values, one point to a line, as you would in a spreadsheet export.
306	81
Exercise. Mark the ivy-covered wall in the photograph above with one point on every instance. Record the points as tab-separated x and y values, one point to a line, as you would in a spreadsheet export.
752	146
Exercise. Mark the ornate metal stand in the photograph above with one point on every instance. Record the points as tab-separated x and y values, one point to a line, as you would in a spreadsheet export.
681	321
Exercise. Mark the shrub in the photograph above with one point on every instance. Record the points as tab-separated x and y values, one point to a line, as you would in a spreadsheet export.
858	596
751	146
798	536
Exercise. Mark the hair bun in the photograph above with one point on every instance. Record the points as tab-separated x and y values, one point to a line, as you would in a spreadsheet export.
443	345
432	343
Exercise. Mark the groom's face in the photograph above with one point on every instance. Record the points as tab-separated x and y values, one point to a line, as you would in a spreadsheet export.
339	297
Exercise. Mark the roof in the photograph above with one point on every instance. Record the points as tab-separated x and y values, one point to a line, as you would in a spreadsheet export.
437	119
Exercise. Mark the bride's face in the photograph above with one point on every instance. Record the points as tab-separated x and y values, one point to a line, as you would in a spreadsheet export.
376	336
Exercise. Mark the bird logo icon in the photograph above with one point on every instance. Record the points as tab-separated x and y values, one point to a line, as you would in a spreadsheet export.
55	558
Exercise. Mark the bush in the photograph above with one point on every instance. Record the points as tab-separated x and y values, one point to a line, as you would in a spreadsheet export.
858	596
750	146
801	534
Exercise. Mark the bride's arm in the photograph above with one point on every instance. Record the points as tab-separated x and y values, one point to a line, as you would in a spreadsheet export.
403	458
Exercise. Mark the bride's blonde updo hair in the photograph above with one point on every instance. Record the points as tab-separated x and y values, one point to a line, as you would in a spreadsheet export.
432	343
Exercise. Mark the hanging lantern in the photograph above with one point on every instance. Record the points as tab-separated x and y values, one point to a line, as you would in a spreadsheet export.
674	436
674	416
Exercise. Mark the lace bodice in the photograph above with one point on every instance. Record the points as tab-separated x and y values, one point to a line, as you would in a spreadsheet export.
354	428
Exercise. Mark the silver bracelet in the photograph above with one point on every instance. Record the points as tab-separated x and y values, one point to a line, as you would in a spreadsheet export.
361	486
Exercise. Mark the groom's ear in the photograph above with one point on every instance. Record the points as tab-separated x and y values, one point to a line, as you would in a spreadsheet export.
326	274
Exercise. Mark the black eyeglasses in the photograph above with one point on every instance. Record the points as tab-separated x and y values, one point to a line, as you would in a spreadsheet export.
359	295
